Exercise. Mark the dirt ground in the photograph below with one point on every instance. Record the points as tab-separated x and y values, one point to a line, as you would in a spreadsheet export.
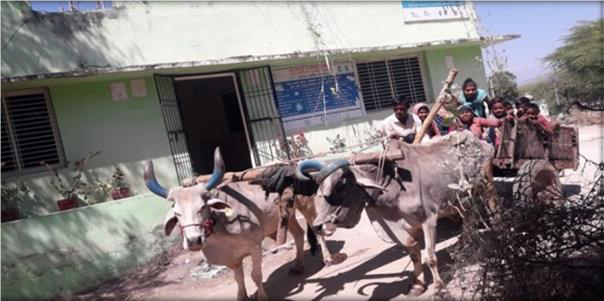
373	270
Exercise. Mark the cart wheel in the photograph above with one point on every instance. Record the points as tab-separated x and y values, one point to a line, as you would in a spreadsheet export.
537	180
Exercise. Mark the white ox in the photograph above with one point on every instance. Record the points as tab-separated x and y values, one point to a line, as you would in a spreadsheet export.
230	223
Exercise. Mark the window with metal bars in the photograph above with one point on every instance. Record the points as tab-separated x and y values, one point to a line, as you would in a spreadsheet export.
382	80
29	132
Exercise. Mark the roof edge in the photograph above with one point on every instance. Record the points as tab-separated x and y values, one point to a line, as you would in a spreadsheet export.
91	71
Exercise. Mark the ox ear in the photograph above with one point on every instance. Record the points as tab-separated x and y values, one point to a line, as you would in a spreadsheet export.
365	180
170	222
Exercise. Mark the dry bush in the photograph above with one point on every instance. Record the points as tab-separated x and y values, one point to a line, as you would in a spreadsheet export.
536	251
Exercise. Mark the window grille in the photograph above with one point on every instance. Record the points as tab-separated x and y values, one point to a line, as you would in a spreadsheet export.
29	132
380	81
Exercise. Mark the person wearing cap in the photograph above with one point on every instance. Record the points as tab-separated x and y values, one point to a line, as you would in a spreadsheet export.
401	124
475	124
474	98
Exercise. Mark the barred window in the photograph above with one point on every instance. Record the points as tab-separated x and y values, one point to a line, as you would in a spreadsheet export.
380	81
29	132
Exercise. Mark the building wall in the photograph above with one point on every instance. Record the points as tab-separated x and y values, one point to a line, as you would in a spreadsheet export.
127	133
144	33
73	250
467	60
131	131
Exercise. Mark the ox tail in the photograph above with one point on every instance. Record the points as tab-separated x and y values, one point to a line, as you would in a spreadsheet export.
312	240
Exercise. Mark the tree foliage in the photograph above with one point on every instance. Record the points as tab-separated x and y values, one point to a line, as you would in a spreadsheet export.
579	63
504	85
544	90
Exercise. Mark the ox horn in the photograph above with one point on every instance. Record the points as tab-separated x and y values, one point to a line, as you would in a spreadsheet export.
305	166
324	170
152	183
330	168
218	172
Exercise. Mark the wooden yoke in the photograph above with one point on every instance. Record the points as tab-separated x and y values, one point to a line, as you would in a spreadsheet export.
255	173
437	105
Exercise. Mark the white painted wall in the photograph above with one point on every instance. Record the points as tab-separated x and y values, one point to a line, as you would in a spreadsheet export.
143	33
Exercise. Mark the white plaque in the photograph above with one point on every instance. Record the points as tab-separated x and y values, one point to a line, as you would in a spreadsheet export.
138	88
119	91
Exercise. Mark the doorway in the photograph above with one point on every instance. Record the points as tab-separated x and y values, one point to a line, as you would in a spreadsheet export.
211	114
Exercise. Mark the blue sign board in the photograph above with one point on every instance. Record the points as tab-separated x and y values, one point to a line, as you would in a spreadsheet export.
303	96
416	4
304	91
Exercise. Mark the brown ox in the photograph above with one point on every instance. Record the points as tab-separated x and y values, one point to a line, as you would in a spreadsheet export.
230	223
403	197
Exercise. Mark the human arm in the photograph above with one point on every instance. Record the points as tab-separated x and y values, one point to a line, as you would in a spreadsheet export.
544	125
488	122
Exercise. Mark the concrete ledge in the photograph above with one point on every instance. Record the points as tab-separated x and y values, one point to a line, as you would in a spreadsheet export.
72	250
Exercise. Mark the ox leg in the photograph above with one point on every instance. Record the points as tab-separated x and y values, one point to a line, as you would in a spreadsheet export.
429	228
257	272
238	273
415	253
306	206
298	234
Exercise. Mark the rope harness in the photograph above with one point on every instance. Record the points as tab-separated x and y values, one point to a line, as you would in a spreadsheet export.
206	226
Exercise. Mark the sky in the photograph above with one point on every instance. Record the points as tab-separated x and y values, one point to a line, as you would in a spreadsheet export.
55	6
542	25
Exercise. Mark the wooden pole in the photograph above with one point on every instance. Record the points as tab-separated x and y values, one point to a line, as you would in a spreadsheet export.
255	173
437	105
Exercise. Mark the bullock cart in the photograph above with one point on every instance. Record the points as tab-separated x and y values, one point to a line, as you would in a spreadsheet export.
533	162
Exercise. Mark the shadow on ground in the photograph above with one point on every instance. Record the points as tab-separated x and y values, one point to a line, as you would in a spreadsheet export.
330	286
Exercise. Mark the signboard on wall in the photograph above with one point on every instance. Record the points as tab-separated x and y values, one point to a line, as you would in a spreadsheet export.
420	11
307	94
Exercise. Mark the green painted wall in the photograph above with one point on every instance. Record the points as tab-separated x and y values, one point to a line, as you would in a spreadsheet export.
80	248
89	120
126	133
467	60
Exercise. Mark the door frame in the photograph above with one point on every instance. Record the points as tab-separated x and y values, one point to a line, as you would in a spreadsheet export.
239	101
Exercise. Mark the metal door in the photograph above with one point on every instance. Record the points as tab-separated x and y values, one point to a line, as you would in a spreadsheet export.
266	132
176	135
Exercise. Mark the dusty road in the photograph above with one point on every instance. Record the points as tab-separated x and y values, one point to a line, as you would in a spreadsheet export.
374	270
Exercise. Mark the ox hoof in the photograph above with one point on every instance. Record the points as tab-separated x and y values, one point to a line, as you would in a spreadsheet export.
416	290
257	297
439	289
296	271
336	259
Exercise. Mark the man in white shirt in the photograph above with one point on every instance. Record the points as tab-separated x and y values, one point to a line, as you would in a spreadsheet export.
401	124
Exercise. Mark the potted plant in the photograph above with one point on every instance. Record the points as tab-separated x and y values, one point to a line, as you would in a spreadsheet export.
71	190
12	195
116	185
120	187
